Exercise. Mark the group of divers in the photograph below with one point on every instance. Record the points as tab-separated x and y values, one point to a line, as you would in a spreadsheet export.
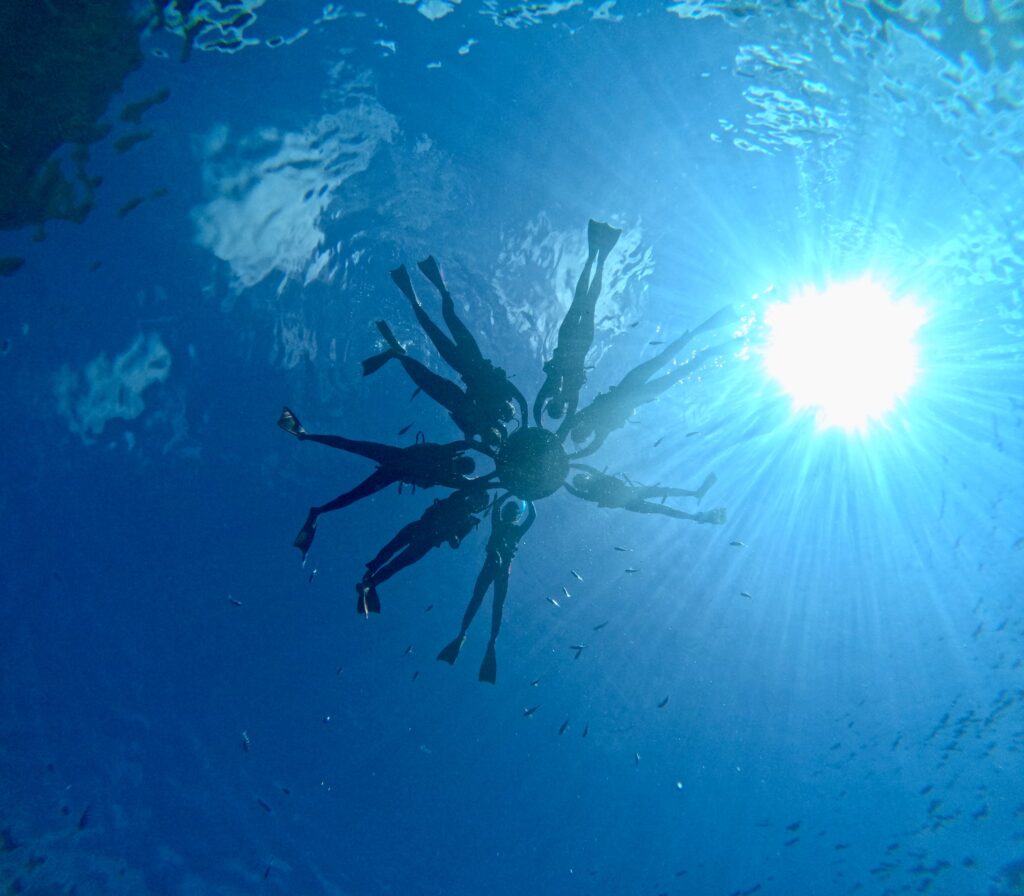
493	414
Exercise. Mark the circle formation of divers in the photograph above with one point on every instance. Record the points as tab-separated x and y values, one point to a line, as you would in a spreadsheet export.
530	463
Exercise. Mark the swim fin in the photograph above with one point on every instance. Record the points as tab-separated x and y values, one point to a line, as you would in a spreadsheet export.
601	237
708	482
290	423
450	653
401	277
389	337
304	540
376	362
489	667
428	267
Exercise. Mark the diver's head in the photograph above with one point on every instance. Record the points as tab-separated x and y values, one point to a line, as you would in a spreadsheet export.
464	465
506	411
556	408
511	510
493	437
581	480
581	432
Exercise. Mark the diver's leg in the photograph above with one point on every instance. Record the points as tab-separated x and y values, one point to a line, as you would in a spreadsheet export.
442	390
464	338
372	483
483	581
659	491
375	451
716	516
489	666
415	550
448	349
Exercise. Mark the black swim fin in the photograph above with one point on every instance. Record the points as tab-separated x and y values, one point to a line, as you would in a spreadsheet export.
601	237
290	423
489	667
376	362
304	540
450	653
389	337
401	277
428	267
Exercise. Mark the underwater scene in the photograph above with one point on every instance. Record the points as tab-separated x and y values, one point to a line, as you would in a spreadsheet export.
463	447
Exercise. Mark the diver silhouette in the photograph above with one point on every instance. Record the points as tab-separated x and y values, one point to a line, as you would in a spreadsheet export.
610	491
610	410
506	531
422	465
483	416
486	384
566	369
449	519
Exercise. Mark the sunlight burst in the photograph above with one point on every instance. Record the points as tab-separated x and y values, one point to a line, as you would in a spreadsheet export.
847	351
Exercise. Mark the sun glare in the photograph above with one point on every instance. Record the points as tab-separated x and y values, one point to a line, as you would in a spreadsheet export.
848	352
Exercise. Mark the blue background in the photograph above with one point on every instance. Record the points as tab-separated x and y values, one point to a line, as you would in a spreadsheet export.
855	725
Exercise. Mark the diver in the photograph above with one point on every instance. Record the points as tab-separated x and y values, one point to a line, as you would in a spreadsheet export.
489	384
610	410
449	519
610	491
566	371
485	416
506	531
422	465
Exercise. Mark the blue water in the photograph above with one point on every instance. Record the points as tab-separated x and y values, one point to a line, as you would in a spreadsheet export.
186	709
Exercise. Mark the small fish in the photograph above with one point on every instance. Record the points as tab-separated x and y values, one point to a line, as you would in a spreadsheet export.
246	743
656	342
579	648
576	575
531	710
83	819
695	432
746	594
553	602
663	703
632	569
634	324
624	550
662	439
266	873
264	805
736	544
235	601
586	730
415	674
636	758
793	827
565	591
601	625
312	575
429	608
534	683
404	430
338	671
408	650
564	725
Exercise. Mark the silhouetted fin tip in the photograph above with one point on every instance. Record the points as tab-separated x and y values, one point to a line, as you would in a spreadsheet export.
601	237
